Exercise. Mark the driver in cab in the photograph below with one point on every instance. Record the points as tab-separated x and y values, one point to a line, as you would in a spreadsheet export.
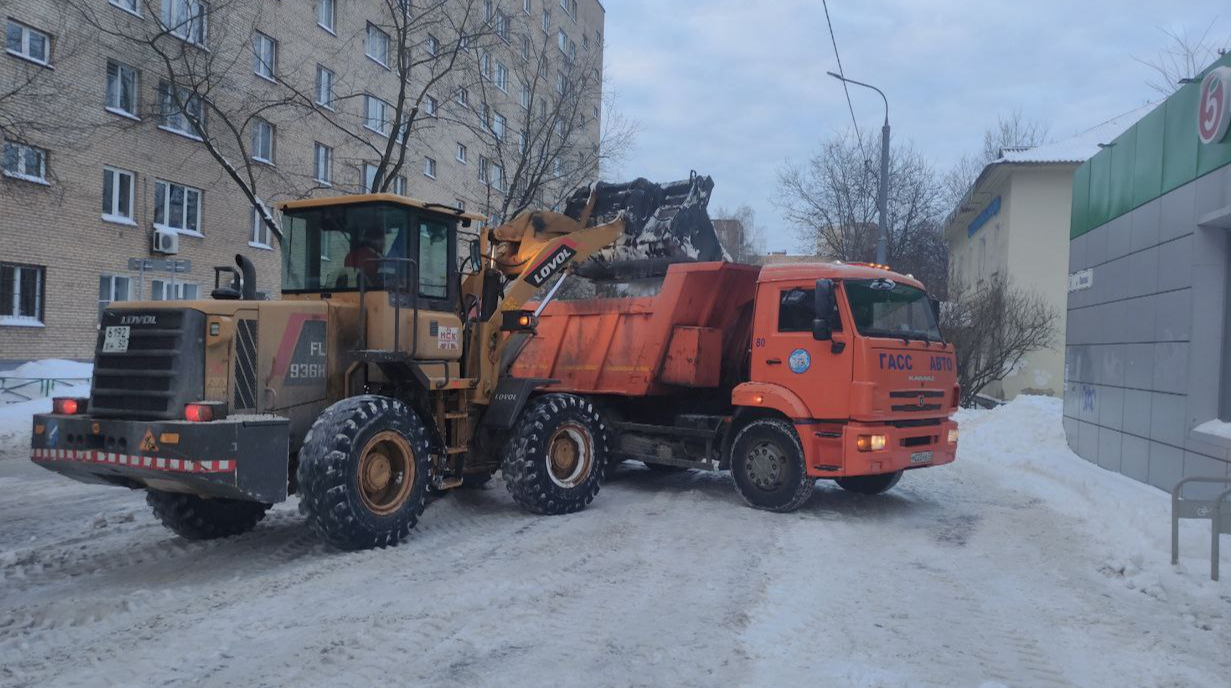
362	256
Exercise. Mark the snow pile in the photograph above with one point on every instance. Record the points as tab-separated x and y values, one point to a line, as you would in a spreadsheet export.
53	368
1129	522
15	419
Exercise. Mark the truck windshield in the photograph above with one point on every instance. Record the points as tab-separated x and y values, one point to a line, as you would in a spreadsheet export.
884	308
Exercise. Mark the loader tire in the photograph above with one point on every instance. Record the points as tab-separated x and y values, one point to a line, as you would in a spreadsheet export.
196	518
767	464
870	484
364	472
557	457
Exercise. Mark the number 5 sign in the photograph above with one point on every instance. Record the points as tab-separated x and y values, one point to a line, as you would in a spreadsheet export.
1214	110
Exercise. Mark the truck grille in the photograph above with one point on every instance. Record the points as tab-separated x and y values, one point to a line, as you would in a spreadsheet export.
161	371
921	400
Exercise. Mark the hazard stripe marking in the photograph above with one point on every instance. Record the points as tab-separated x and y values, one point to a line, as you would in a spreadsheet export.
154	463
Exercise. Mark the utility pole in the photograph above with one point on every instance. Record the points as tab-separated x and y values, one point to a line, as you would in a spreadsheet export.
882	196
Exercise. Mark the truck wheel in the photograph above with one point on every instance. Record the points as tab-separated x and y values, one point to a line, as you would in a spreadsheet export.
870	484
196	518
363	472
767	463
557	456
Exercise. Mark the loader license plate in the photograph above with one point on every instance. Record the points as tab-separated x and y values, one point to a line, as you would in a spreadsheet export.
116	338
921	457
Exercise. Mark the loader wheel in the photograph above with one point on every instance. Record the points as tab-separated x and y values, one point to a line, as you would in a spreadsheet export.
196	518
767	463
557	457
363	472
870	484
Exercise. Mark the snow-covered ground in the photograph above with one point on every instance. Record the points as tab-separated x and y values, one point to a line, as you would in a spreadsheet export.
24	380
1018	565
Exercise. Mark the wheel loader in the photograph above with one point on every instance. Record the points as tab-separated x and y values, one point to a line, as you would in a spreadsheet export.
381	374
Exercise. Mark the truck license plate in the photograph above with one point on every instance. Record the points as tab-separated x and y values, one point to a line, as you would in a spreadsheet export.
921	457
116	338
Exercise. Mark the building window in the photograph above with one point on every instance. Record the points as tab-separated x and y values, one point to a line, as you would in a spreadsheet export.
502	77
561	83
491	174
265	56
29	43
177	207
118	195
502	26
260	231
378	46
499	125
323	164
130	6
21	294
463	97
485	67
376	115
324	87
172	117
585	42
433	45
430	106
24	162
459	204
186	19
429	167
525	97
546	21
325	13
563	40
121	89
164	290
483	164
525	6
262	141
112	288
369	177
461	152
399	185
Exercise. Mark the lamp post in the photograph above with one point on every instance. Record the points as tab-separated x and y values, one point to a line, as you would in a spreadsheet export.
882	197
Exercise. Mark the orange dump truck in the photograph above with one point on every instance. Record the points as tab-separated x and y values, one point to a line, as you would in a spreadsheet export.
782	374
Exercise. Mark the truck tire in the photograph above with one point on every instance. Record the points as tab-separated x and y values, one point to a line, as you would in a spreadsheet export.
364	472
557	456
870	484
196	518
767	463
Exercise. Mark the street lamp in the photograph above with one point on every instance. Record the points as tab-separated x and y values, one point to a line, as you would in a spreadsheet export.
882	198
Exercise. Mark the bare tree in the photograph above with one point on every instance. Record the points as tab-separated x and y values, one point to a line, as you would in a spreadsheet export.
1184	55
1013	131
993	329
747	243
832	202
560	133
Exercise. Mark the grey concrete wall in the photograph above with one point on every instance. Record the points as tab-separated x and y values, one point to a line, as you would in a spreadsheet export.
1145	344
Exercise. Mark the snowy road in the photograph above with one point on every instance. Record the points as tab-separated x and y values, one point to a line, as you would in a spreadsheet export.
1019	565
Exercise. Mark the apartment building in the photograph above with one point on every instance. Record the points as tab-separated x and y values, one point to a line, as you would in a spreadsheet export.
104	165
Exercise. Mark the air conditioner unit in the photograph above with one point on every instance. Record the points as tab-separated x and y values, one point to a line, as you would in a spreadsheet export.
166	241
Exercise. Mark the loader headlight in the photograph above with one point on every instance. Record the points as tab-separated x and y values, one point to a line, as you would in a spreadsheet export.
870	443
519	321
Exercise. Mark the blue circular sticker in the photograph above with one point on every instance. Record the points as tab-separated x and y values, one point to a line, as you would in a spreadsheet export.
800	361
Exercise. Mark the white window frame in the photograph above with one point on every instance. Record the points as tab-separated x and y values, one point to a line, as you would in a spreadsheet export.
21	169
187	20
171	122
132	7
117	196
327	91
432	44
460	155
525	48
18	320
499	126
546	20
260	231
176	291
23	51
525	7
431	107
399	185
369	177
459	204
502	77
322	164
164	189
375	33
525	97
502	25
369	101
115	105
463	97
265	66
429	167
112	295
263	137
485	66
331	16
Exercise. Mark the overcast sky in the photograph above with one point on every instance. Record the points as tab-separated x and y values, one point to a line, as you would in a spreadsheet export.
735	88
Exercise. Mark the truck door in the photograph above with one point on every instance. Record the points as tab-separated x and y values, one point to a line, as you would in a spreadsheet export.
785	353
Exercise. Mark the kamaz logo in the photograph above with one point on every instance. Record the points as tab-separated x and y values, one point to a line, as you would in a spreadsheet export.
139	320
551	265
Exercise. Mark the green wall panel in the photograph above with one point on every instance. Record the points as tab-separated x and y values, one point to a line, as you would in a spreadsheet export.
1148	158
1100	188
1121	174
1214	155
1081	202
1181	142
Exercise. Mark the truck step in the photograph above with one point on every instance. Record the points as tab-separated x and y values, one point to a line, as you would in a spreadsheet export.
457	415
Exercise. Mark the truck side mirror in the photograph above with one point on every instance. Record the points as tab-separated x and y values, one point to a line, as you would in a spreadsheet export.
935	303
822	329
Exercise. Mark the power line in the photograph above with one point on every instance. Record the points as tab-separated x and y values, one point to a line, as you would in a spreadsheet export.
846	89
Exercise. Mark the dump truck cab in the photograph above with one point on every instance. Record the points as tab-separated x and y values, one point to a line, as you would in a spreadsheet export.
853	355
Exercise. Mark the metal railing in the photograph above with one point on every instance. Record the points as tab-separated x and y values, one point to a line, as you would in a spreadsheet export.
15	389
397	283
1211	509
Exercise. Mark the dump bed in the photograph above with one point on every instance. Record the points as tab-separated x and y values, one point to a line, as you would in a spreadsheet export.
694	333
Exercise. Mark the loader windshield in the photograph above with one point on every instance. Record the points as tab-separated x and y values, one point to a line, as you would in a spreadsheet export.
331	248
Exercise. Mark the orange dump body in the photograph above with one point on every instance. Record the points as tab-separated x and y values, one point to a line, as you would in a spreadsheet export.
693	333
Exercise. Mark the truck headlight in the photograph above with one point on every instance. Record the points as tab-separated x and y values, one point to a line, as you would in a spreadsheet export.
952	435
867	443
